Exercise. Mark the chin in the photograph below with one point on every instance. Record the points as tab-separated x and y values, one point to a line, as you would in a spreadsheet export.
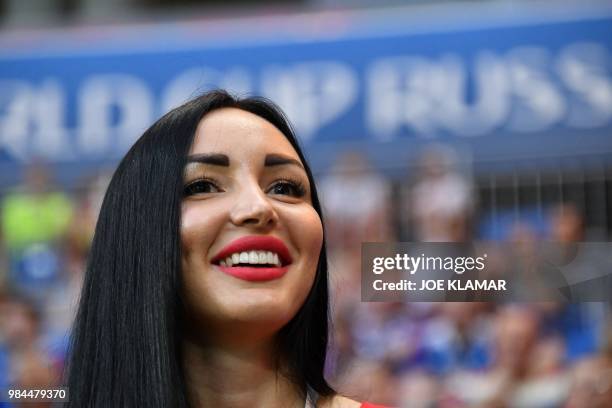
262	310
266	309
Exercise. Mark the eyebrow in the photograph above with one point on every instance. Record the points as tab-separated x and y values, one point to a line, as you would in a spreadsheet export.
280	160
220	159
216	159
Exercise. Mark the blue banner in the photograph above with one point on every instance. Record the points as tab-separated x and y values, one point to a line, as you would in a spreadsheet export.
506	90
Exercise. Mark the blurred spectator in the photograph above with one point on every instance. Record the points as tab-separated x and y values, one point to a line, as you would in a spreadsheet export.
440	204
34	218
586	267
357	202
530	275
457	337
567	224
526	370
22	353
592	383
383	331
418	389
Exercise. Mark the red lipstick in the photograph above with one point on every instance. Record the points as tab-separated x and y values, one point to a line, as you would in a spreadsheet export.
254	274
255	243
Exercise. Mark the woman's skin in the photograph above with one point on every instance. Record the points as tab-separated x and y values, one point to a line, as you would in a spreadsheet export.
244	178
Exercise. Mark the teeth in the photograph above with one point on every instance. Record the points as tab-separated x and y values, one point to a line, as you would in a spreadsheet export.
252	257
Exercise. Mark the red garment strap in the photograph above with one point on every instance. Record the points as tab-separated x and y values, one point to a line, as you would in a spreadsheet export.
368	405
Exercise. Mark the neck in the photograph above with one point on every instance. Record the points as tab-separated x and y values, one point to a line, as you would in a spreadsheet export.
237	375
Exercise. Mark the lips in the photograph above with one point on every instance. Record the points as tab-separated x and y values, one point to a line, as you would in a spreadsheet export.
254	243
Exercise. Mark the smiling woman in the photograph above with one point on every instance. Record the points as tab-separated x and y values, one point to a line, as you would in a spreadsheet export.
207	280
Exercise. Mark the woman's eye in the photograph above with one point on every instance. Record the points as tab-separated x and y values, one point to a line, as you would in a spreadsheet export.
290	188
200	187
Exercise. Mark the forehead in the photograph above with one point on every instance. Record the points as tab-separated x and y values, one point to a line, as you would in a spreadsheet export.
237	132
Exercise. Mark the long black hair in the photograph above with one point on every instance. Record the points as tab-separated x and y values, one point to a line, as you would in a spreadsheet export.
125	341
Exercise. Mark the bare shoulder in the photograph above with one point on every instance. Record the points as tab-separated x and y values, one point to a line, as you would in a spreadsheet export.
337	401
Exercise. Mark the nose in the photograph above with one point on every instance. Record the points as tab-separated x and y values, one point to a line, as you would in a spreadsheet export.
253	208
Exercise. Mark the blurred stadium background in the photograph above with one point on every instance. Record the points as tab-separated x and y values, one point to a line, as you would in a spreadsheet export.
423	120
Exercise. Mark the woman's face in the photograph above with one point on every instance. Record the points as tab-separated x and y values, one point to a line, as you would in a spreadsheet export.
250	236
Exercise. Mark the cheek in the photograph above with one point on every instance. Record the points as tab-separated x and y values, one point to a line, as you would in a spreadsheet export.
307	232
199	225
